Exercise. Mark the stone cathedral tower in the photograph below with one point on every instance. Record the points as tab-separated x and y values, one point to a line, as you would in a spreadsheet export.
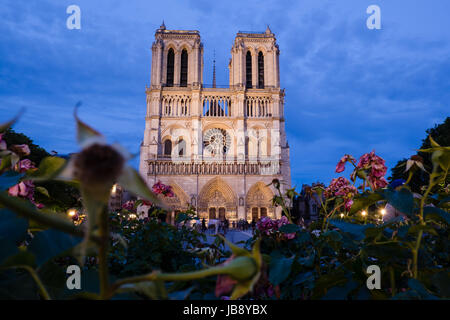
218	148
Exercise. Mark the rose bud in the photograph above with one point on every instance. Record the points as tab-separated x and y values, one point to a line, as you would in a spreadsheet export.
98	165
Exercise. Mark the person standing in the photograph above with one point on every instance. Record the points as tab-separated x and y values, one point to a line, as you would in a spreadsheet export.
203	225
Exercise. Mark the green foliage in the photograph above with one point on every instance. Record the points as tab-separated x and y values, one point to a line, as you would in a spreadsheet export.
151	246
131	258
441	134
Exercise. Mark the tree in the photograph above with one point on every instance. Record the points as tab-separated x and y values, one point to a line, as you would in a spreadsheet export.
37	153
441	134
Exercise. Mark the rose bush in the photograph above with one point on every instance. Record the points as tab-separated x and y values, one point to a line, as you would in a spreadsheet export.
147	258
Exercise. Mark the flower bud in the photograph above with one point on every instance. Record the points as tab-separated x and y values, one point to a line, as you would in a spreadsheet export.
241	268
21	149
417	158
98	165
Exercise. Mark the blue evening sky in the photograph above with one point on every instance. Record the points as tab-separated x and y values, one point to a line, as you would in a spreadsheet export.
348	89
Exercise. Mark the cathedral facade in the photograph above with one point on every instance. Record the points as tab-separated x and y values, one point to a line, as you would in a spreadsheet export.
219	148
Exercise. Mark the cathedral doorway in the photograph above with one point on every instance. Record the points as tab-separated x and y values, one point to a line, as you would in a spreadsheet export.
212	213
263	212
258	213
255	214
221	214
259	202
217	196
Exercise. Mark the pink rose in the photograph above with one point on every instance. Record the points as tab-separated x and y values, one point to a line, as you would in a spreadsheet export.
341	164
21	149
25	165
22	189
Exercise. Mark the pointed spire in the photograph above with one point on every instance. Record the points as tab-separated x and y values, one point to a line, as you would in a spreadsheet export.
268	31
214	69
163	26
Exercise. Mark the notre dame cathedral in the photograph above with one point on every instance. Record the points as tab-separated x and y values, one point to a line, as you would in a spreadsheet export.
219	148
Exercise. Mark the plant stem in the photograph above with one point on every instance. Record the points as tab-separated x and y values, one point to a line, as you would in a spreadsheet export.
416	250
154	276
409	177
34	275
392	279
285	210
103	253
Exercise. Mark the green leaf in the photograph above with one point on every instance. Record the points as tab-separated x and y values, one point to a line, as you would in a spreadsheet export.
152	289
9	179
288	228
7	249
22	258
356	231
132	181
182	217
6	162
340	292
441	280
50	243
12	227
280	267
402	200
444	201
86	134
48	169
420	288
43	191
306	261
332	235
303	277
434	213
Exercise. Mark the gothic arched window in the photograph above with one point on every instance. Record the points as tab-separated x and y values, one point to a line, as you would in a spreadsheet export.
248	70
167	147
184	69
170	67
260	70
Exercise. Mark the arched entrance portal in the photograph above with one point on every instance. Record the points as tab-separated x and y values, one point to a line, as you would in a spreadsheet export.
259	202
217	197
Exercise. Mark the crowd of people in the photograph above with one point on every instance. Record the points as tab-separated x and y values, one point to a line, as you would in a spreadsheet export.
225	225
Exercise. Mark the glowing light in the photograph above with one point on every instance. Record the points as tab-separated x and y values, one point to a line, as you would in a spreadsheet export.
114	189
364	213
342	215
71	212
133	216
383	212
